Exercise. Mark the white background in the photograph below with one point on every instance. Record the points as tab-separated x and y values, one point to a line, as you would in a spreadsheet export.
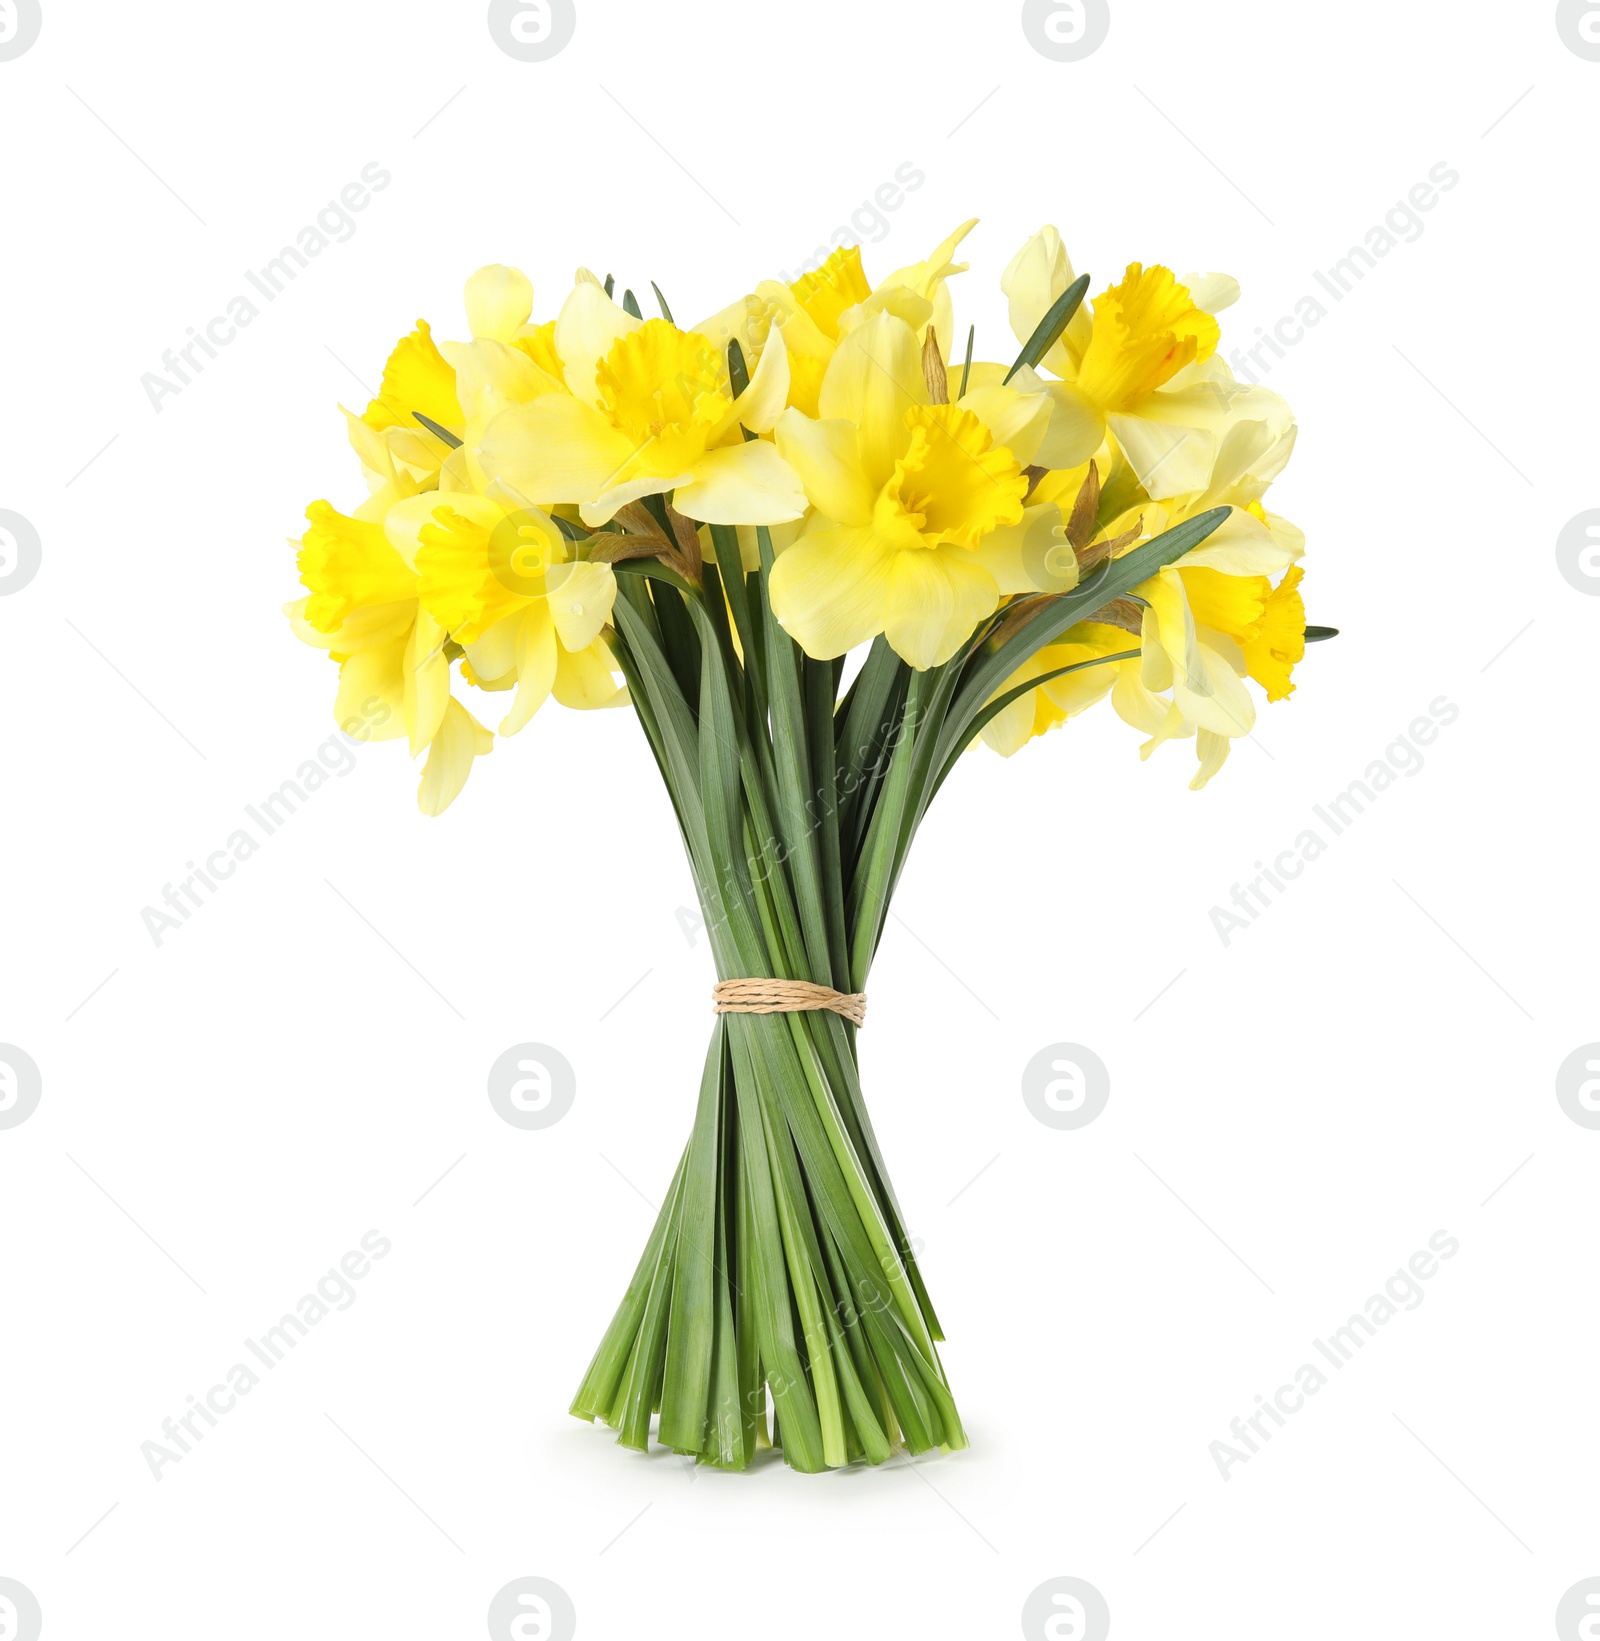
1292	1115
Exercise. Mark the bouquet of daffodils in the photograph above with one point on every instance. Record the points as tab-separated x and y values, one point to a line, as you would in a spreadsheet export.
705	523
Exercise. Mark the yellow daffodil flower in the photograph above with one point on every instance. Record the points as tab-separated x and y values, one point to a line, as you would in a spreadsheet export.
814	311
508	588
646	408
459	386
1143	368
394	675
431	568
909	497
1209	621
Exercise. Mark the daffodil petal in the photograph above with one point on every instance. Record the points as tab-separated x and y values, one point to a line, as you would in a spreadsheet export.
493	654
1017	418
1076	431
536	656
828	590
1036	277
460	739
372	692
403	523
1031	557
1243	546
763	399
585	680
826	455
426	681
490	376
1212	291
936	597
1213	750
589	323
873	379
556	449
580	597
741	484
498	300
1012	727
631	487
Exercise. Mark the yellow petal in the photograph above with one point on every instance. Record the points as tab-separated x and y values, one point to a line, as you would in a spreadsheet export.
936	597
1032	556
585	681
1011	728
829	291
1036	277
741	484
346	563
630	486
1213	750
367	627
1212	291
873	379
763	400
1077	428
927	279
460	739
491	375
499	300
589	325
1139	706
372	692
416	378
1146	330
536	659
826	456
426	682
830	590
491	658
1174	439
477	568
370	445
1230	603
1018	418
1274	650
404	521
556	449
580	597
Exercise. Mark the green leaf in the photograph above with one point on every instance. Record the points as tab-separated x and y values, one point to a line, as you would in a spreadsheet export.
1320	635
796	794
1051	326
630	304
1001	702
437	431
738	371
987	672
686	1379
966	369
666	312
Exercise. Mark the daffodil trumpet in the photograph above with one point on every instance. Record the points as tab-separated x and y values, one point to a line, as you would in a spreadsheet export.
820	566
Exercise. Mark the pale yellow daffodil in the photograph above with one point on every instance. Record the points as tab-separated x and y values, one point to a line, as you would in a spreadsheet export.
394	675
509	589
814	311
1209	621
458	386
1139	364
907	494
646	408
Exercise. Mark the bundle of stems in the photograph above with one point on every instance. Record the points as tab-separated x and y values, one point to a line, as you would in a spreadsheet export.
779	1281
